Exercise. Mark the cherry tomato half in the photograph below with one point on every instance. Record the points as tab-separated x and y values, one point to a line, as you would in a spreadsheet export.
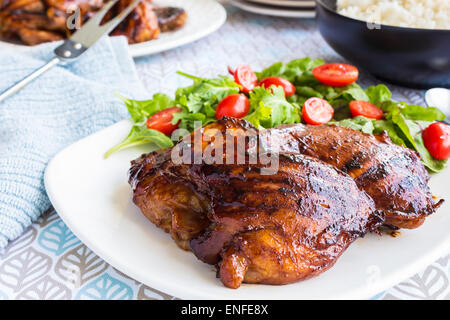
162	121
245	77
288	87
336	74
317	111
436	138
234	105
365	109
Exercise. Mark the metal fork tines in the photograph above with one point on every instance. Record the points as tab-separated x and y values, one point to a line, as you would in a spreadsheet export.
77	44
92	30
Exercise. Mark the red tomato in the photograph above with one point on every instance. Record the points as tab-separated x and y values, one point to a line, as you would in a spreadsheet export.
436	138
288	87
230	71
365	109
162	121
245	77
234	105
317	111
336	74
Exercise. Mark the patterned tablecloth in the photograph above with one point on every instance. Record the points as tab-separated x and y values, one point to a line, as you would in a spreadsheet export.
49	262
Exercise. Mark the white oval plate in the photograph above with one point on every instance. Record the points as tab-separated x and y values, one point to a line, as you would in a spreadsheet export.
204	17
271	11
93	198
287	3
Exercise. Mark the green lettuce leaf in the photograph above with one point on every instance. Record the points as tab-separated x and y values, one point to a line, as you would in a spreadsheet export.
415	131
262	113
378	94
358	123
204	91
141	110
273	98
292	70
140	134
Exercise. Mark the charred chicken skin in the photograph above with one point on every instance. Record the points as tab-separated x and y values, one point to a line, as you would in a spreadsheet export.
392	175
255	227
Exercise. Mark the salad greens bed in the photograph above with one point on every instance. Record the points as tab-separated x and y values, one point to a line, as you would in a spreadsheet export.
269	108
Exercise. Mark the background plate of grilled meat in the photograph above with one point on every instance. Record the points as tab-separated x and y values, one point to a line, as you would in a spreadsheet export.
93	197
203	18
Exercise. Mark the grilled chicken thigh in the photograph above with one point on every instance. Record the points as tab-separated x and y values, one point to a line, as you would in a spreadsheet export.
37	21
392	175
255	227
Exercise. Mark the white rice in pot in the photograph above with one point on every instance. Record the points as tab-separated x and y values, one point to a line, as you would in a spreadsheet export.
425	14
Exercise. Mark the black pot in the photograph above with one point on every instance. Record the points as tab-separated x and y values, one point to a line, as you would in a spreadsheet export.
415	58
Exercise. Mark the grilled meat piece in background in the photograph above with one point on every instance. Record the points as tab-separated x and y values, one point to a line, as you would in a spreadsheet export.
392	175
37	21
140	25
256	228
170	18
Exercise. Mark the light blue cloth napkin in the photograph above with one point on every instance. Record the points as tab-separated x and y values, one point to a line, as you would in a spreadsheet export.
62	106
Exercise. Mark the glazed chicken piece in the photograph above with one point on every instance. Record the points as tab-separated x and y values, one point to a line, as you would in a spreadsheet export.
35	6
140	25
36	21
170	18
392	175
255	227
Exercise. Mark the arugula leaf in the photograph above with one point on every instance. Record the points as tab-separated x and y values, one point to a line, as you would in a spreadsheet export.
141	110
140	134
273	98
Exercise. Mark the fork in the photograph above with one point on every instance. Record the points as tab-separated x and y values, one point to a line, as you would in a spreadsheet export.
77	44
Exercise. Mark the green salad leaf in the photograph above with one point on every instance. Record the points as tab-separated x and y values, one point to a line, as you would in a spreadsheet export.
402	129
141	110
140	134
378	94
358	123
281	111
299	69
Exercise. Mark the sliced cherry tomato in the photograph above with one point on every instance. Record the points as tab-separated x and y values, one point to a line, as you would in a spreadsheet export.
162	121
234	105
436	138
230	71
336	74
365	109
288	87
317	111
245	77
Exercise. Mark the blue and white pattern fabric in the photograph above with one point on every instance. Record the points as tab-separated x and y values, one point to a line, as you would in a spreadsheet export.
62	106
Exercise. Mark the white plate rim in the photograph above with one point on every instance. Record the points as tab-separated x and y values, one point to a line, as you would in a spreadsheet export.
265	10
172	288
286	3
167	40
